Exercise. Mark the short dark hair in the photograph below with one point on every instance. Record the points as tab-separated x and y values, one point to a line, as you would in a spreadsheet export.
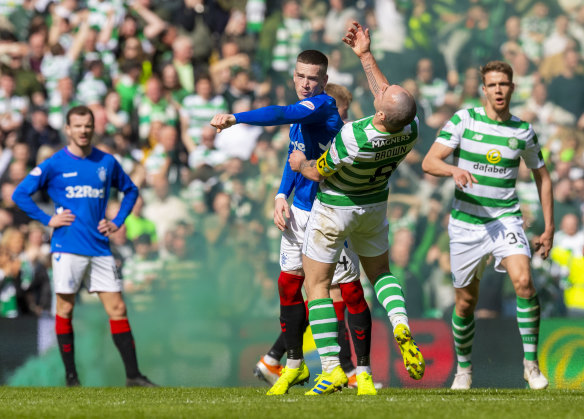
312	56
498	66
79	110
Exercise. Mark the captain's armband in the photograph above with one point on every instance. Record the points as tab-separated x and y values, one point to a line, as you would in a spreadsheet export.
323	168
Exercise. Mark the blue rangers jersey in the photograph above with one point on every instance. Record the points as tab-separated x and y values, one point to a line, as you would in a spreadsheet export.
81	185
315	122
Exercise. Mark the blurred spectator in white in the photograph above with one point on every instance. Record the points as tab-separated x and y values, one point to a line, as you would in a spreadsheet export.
391	25
339	17
205	153
576	26
544	115
117	118
163	207
153	106
161	159
432	89
60	101
535	27
13	108
182	56
199	108
92	88
557	41
241	141
335	73
524	78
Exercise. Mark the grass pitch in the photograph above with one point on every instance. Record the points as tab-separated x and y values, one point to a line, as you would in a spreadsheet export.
62	403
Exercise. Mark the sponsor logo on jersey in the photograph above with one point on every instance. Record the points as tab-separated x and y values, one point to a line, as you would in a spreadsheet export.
308	104
84	191
477	137
70	174
493	156
489	169
396	151
298	146
36	171
102	173
380	142
513	143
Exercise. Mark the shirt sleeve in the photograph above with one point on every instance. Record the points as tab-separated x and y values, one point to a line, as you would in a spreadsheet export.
34	181
532	153
124	184
450	134
306	111
288	180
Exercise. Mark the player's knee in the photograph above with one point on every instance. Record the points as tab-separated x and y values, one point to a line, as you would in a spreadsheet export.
290	289
117	309
353	297
524	286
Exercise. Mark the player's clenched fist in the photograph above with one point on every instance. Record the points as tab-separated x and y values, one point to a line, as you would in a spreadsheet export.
223	120
296	159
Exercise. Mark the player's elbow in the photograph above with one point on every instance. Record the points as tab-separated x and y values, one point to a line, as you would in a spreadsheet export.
426	165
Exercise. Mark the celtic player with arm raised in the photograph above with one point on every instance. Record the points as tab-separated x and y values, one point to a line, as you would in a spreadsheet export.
351	203
78	179
488	144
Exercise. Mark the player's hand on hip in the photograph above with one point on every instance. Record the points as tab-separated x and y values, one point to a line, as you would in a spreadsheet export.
107	227
463	178
358	39
64	218
296	158
281	213
223	120
543	244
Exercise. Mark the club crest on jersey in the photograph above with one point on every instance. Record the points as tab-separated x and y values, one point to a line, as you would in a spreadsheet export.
513	143
493	156
36	171
308	104
102	173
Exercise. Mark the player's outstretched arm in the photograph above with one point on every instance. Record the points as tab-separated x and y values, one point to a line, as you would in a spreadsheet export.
434	164
359	41
222	121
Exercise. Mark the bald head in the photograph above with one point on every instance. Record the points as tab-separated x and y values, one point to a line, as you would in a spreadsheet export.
395	107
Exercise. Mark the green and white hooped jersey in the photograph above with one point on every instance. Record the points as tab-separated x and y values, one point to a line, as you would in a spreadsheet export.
491	151
359	163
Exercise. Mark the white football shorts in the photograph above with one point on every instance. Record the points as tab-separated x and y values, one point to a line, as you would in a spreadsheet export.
329	227
347	269
470	249
99	273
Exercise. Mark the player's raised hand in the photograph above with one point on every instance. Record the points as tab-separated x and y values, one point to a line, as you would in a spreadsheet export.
107	227
64	218
223	120
543	244
296	158
463	178
281	213
358	39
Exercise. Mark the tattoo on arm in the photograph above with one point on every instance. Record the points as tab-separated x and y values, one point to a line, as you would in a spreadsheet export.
371	78
307	163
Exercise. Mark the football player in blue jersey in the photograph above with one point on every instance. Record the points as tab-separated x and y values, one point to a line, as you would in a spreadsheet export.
315	121
78	179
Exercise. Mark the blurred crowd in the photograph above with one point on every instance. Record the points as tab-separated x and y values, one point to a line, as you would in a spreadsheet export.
154	72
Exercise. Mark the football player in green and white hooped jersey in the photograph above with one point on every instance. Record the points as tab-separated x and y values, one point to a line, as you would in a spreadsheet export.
351	204
487	144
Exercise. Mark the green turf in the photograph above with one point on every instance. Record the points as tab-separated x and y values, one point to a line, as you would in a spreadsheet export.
64	403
